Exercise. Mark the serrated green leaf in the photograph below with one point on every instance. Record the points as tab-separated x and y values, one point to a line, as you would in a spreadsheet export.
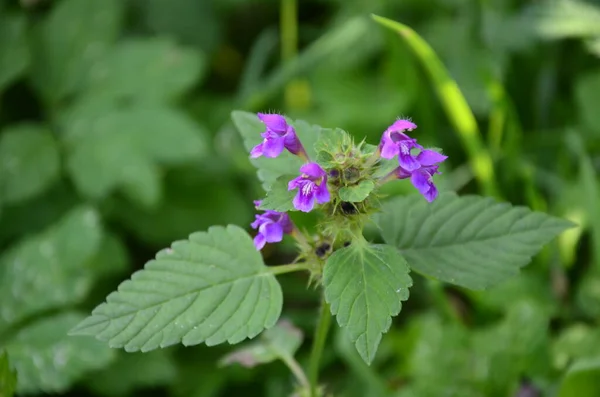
132	371
356	193
211	288
153	69
73	37
29	162
48	360
281	341
471	241
49	270
581	380
121	148
8	377
365	284
279	198
269	169
14	52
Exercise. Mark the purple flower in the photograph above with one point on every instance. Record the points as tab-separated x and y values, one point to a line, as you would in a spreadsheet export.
271	225
311	185
394	142
279	135
422	179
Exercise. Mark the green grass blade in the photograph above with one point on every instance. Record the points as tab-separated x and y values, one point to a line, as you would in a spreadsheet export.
454	103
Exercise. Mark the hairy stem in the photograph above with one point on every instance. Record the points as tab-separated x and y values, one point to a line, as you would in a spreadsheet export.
293	267
317	347
296	369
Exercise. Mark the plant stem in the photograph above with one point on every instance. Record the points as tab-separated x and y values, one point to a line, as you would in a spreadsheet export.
317	347
289	29
296	369
293	267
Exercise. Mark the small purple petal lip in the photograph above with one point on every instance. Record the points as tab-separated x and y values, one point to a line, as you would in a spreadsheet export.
312	187
271	225
279	135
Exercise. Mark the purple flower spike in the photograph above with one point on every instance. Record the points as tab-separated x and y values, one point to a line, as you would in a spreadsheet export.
395	142
278	136
271	225
311	185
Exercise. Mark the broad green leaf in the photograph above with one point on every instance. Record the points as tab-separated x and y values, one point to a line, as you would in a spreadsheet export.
279	198
358	192
471	241
269	169
132	371
48	360
75	35
8	377
365	284
280	342
49	270
121	148
581	379
14	54
29	162
211	288
453	101
145	69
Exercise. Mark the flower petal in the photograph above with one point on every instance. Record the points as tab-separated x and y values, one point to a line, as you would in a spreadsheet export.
272	147
401	173
313	169
259	241
408	162
430	157
291	141
424	184
322	194
304	202
388	149
296	183
273	232
274	122
402	125
256	151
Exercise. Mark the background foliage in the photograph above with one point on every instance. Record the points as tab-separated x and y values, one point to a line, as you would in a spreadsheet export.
116	139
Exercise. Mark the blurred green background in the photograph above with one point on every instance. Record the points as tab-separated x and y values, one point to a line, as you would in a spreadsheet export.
115	140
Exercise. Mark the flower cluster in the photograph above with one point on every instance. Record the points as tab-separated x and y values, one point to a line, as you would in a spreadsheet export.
415	162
